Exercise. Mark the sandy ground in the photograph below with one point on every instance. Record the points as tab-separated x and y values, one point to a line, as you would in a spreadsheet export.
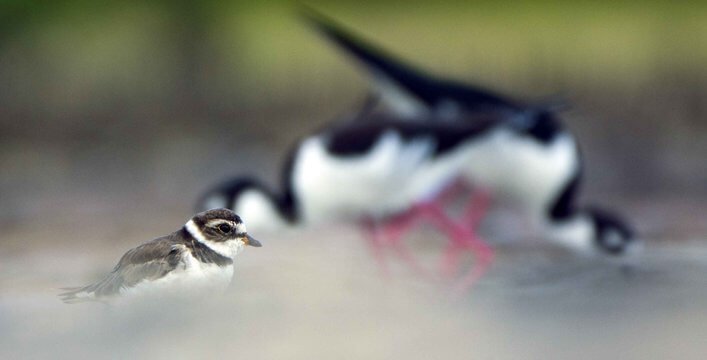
317	294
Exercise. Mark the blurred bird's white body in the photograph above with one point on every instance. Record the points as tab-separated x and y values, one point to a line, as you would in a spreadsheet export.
396	173
388	179
522	169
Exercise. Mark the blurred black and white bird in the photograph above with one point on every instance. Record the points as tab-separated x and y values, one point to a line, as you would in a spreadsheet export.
196	258
392	168
375	171
529	156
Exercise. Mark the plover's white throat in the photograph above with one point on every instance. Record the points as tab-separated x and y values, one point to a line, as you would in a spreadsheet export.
197	257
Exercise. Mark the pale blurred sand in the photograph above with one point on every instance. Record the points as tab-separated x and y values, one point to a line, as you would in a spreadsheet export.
317	294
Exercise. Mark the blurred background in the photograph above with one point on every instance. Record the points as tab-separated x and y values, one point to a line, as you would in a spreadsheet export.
116	115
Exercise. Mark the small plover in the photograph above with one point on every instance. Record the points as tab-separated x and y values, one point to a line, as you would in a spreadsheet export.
199	256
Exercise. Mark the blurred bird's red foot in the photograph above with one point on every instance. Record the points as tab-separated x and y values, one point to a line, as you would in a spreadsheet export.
460	233
390	233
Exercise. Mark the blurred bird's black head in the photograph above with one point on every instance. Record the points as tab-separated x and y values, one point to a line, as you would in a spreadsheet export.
593	231
613	235
540	122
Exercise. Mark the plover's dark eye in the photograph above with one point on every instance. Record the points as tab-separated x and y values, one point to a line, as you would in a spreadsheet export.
224	228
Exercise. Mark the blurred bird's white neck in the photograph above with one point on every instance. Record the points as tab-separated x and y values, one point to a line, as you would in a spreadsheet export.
576	233
260	212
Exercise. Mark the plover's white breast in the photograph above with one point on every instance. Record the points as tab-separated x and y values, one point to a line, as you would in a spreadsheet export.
191	278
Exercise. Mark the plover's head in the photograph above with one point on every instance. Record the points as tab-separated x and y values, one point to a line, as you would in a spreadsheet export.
221	230
251	199
594	231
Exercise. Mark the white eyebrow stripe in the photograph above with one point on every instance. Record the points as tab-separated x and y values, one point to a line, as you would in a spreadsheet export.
217	222
240	227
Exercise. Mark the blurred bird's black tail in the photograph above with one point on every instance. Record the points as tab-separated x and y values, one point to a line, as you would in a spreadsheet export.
406	89
391	76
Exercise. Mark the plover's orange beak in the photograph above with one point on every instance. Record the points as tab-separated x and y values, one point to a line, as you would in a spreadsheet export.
250	241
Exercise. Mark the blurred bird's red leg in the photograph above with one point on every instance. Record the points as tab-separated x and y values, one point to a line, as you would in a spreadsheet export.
476	208
455	233
473	214
461	234
394	230
376	242
449	265
461	238
484	258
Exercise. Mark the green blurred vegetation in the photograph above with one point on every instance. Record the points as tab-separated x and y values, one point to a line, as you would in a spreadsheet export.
263	44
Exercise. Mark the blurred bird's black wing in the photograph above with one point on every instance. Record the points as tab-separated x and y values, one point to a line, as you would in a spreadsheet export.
406	90
149	261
